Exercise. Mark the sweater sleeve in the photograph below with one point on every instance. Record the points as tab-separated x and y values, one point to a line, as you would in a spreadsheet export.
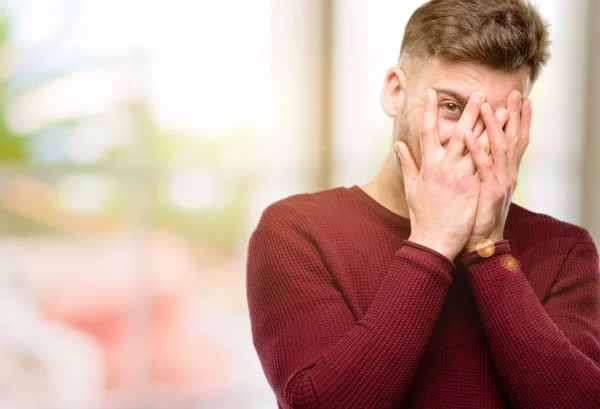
314	353
547	353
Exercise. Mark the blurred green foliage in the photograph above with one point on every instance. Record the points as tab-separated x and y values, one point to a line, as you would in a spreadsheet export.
12	146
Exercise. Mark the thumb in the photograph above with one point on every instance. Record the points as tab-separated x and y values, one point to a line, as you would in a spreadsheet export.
410	170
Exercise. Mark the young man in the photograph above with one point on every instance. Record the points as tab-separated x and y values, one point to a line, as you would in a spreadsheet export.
427	287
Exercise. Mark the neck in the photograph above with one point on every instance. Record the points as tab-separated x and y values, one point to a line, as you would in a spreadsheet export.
387	187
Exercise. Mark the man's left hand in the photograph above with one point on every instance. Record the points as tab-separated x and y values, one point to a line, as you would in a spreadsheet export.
498	171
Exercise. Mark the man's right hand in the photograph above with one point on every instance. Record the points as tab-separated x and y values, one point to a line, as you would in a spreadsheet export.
442	195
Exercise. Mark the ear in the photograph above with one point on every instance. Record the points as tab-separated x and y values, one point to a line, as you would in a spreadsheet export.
393	91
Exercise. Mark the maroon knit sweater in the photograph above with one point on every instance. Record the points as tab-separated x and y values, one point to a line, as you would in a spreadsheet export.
348	313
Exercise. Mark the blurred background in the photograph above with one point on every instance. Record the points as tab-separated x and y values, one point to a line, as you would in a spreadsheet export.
140	140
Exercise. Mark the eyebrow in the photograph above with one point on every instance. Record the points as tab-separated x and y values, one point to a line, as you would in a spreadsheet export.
461	99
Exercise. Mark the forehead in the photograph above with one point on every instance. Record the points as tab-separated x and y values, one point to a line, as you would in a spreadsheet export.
464	78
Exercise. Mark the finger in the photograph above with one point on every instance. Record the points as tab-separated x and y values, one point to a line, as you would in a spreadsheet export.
482	161
526	116
410	170
428	131
468	159
480	133
465	125
513	105
484	141
502	116
497	141
479	127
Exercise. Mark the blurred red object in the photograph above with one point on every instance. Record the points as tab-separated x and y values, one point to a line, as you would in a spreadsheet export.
175	356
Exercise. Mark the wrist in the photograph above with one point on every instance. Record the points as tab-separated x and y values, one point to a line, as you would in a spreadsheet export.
485	247
446	251
466	258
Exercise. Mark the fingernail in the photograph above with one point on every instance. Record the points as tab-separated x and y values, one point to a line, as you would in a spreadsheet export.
430	94
478	96
517	95
486	107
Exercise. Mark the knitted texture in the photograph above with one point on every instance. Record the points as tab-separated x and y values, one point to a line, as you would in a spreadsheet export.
346	312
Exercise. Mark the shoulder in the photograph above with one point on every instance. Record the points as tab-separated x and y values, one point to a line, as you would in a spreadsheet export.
528	226
300	211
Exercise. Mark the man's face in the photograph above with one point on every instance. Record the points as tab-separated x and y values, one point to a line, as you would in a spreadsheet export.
454	82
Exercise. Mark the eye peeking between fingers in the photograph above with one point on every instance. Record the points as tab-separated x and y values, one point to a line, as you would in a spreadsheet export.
451	109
